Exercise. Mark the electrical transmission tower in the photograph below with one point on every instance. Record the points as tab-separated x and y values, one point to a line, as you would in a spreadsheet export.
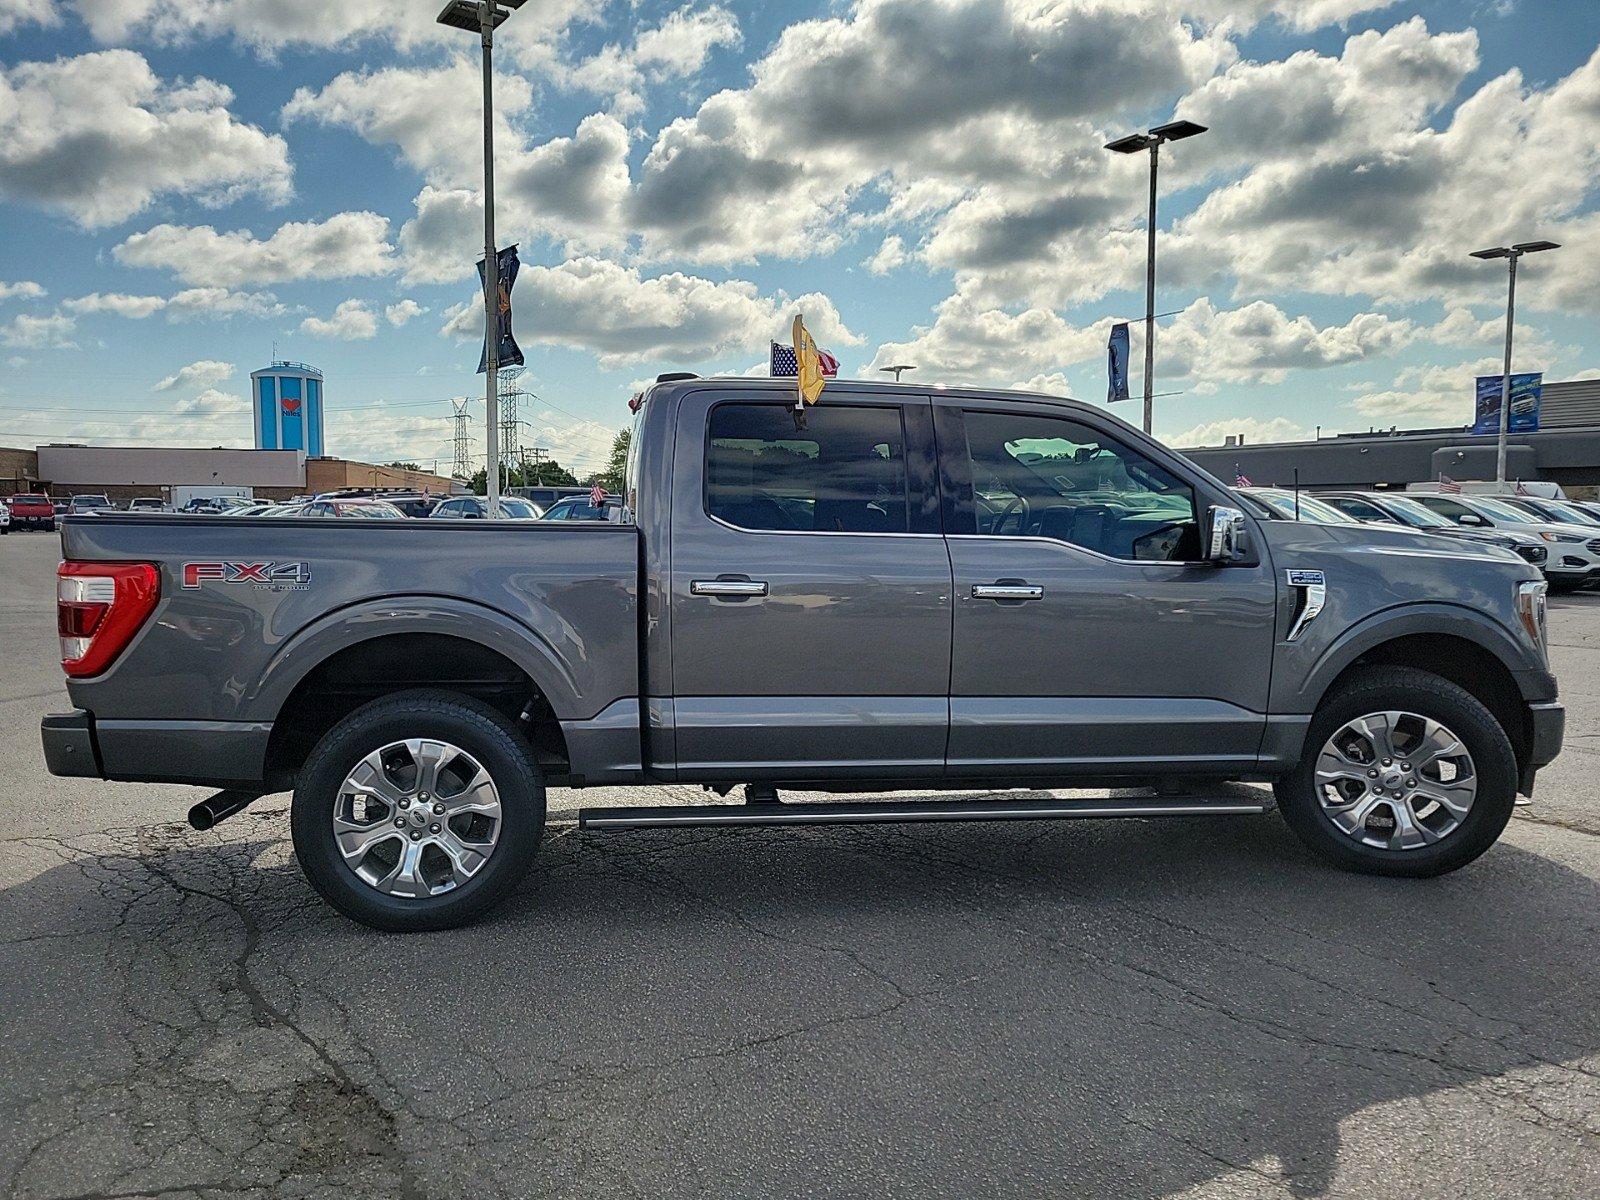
463	467
510	389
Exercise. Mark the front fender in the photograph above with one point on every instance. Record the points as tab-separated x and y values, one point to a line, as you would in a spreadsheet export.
367	620
1426	617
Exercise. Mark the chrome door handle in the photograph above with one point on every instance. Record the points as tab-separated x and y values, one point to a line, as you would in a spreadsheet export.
1007	591
728	587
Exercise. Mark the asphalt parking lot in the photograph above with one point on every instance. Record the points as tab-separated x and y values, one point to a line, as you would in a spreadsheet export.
1073	1009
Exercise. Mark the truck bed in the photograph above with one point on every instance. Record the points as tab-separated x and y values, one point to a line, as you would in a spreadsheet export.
227	645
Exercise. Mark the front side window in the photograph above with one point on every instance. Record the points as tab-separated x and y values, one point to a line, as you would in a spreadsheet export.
1359	509
1452	510
1037	476
845	472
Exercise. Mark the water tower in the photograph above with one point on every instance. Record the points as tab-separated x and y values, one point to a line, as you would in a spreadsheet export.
288	407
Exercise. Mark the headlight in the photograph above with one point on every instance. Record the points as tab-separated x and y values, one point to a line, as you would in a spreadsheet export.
1561	537
1531	610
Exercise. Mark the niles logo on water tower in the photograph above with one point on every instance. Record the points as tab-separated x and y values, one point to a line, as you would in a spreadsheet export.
277	577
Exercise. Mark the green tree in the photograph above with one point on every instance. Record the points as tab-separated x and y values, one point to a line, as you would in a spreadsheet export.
403	466
611	477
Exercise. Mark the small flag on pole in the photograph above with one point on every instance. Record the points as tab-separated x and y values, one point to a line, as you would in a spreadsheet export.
782	362
809	375
1522	489
1117	363
1241	481
1448	485
597	495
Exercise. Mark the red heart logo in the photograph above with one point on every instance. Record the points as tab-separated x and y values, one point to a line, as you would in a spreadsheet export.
291	406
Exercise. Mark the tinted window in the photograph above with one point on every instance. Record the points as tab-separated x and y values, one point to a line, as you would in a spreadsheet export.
845	472
1359	509
1453	510
1036	476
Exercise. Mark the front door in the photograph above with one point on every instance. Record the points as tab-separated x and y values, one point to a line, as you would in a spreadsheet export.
810	589
1088	636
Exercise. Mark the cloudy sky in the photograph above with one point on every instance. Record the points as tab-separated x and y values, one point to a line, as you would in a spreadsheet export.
184	183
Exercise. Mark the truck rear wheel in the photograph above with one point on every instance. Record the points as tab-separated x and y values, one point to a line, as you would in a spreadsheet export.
418	811
1403	773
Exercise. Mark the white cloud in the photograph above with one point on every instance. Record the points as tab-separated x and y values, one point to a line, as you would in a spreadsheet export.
25	332
135	308
624	317
351	321
346	244
22	289
889	257
398	314
1439	393
16	13
101	137
676	48
1252	429
206	373
219	303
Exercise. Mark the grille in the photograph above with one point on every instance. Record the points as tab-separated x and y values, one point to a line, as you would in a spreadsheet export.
1594	545
1534	554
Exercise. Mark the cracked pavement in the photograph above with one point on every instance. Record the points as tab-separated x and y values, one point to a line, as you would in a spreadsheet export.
1110	1009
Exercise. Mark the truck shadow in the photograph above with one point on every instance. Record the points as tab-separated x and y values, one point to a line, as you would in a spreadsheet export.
1128	1008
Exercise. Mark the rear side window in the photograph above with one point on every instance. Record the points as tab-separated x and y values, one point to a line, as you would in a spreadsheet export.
845	472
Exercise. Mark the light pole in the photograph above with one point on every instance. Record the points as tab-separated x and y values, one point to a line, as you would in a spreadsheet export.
1510	254
898	370
1172	131
483	17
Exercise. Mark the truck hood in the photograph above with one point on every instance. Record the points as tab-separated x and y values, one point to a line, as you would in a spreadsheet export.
1402	564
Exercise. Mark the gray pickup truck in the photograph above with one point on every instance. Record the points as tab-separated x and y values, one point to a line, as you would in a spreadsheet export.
905	588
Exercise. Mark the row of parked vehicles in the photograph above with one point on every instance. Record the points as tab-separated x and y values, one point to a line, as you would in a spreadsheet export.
1560	537
35	510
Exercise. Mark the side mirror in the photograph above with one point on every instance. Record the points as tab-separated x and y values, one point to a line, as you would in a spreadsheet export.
1471	519
1227	537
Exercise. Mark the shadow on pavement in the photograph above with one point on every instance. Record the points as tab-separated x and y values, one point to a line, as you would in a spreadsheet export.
1133	1008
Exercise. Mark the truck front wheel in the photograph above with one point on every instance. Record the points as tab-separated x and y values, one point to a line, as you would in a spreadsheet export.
1403	773
418	811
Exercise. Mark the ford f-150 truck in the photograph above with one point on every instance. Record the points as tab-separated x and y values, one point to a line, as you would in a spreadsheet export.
962	590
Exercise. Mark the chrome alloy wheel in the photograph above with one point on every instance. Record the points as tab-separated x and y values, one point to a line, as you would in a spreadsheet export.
417	818
1395	780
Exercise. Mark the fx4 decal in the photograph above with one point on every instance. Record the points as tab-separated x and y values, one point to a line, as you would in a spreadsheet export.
276	576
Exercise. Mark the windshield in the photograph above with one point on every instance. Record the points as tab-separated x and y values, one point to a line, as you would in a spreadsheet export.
516	507
1566	512
1502	511
28	498
1311	509
1414	514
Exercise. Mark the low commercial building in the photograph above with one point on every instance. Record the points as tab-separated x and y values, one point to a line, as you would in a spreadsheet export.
1565	450
125	472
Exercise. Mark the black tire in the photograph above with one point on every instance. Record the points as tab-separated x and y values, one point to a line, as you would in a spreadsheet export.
1378	689
481	731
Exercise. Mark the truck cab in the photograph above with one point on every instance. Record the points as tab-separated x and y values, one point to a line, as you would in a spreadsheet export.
958	591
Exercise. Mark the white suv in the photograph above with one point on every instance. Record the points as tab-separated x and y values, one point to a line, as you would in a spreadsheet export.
1574	549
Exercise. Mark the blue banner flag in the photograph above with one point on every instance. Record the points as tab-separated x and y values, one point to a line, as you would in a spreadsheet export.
1117	361
508	353
1526	392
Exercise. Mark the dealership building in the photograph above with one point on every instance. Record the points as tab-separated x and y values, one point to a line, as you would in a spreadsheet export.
125	472
1565	449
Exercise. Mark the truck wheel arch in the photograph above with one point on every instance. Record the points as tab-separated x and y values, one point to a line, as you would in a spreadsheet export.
1454	642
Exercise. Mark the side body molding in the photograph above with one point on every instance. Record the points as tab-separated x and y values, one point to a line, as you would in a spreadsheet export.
346	627
1454	620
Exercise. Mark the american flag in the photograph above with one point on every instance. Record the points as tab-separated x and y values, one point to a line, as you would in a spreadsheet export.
1241	481
1522	489
1448	485
597	495
783	361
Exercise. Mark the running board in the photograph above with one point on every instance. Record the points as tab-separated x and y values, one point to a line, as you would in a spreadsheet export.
906	812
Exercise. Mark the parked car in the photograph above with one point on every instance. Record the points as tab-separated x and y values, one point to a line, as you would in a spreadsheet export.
1574	549
544	497
5	518
213	505
410	503
1562	511
513	508
147	504
31	510
1396	508
1287	505
60	506
1037	596
289	508
581	508
247	510
371	510
89	502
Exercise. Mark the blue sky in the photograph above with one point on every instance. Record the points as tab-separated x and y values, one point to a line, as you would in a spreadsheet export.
182	185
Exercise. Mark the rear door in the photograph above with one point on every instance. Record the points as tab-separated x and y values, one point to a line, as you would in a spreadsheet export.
1088	636
810	588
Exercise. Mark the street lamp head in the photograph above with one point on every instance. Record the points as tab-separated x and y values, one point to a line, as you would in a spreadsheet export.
1493	252
1131	144
1176	131
464	14
1535	247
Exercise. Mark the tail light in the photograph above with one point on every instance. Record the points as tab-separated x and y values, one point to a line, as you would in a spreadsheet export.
99	607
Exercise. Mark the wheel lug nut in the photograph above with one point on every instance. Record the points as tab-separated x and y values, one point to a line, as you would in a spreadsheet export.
423	797
404	803
1388	762
434	828
415	836
399	824
438	809
1405	766
1372	774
